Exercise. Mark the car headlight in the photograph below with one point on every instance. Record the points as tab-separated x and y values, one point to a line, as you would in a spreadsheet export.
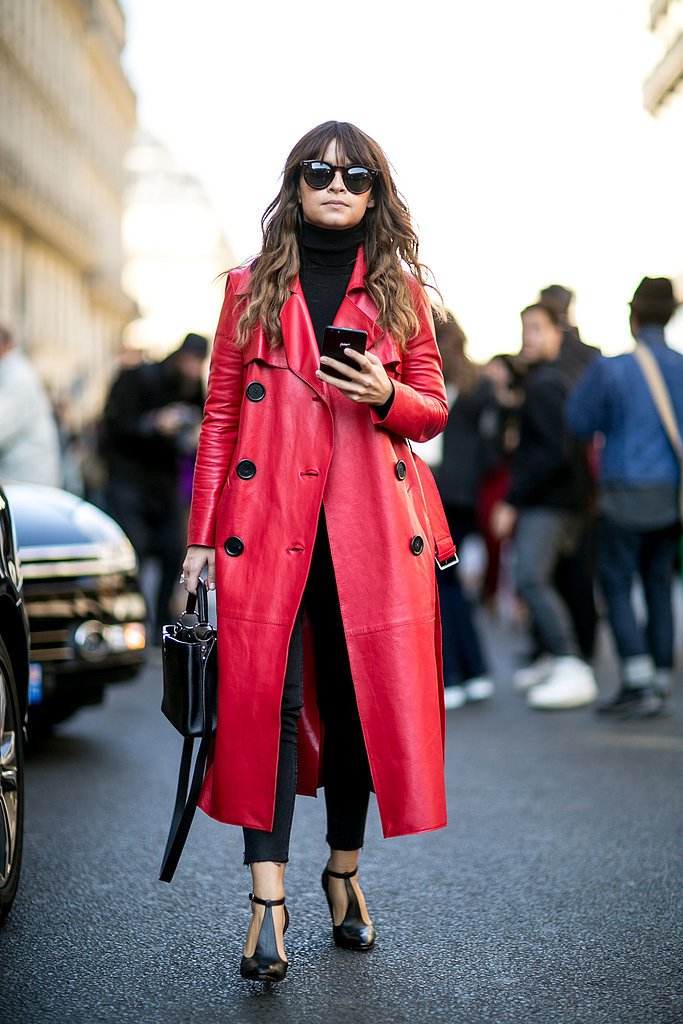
95	641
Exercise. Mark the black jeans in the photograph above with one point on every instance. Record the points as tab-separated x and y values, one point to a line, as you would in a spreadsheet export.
346	772
151	517
462	654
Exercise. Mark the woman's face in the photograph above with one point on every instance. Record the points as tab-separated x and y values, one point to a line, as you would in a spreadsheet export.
333	207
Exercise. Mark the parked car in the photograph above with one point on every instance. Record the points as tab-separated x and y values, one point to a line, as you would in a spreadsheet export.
14	681
82	596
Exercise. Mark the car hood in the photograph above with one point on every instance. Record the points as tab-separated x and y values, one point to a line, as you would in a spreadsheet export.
46	517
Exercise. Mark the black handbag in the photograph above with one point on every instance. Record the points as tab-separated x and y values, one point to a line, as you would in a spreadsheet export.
189	659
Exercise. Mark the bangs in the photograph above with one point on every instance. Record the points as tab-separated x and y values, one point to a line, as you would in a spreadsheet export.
351	146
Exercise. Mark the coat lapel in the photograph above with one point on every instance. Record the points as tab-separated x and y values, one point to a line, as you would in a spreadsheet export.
300	350
300	344
360	312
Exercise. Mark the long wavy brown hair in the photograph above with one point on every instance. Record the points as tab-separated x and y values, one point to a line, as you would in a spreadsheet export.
391	242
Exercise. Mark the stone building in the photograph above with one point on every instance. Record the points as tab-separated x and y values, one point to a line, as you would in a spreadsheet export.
666	77
67	115
174	249
663	97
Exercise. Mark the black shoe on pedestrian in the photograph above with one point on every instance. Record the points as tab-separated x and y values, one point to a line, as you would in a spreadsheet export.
651	702
626	698
353	932
265	963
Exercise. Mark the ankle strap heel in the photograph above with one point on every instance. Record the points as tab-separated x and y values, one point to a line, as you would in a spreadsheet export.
266	903
266	964
353	932
342	874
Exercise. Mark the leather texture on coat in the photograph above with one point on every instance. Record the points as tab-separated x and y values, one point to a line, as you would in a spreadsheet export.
309	444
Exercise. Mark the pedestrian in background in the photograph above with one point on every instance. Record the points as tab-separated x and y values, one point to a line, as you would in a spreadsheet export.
468	449
546	509
575	354
640	477
29	439
308	511
505	373
575	574
150	422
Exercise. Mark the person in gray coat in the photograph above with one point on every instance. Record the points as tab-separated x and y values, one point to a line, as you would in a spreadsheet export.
29	440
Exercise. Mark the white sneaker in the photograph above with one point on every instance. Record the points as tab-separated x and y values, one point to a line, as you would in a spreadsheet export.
479	688
531	675
454	697
571	684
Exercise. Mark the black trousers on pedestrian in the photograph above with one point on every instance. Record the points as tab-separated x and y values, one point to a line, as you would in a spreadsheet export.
346	772
151	517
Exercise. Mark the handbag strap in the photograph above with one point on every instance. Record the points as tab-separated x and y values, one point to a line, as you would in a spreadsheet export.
200	599
662	401
186	799
185	804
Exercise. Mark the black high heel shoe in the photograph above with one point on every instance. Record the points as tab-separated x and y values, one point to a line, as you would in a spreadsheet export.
266	964
353	932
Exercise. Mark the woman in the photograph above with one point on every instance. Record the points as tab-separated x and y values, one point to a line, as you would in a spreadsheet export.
308	511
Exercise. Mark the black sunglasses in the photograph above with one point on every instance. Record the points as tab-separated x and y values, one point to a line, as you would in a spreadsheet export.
356	178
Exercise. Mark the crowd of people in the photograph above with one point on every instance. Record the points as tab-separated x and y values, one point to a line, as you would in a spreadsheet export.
556	456
571	461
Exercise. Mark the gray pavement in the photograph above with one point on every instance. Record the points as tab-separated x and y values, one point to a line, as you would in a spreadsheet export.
553	896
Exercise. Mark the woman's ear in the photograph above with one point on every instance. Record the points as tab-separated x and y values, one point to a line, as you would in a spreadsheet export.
371	202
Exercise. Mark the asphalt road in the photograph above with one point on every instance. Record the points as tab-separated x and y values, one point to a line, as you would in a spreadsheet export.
553	896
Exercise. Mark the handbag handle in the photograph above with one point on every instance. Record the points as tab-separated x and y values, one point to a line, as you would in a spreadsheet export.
201	598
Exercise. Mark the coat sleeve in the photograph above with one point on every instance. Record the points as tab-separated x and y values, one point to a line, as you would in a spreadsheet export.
419	409
219	429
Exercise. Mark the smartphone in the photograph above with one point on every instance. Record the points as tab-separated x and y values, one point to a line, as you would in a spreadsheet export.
336	340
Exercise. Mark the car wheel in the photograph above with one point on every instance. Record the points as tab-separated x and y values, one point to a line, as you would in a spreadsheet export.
11	785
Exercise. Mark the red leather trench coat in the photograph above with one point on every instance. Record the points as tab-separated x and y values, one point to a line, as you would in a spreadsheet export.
275	443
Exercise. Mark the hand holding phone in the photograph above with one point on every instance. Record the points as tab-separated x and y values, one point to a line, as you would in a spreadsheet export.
335	342
370	384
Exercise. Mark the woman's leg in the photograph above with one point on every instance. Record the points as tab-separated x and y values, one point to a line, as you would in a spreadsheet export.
267	853
346	772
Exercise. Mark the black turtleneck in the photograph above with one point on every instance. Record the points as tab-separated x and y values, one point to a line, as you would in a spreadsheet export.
327	261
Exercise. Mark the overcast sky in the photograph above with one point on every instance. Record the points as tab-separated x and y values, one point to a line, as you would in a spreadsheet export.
516	130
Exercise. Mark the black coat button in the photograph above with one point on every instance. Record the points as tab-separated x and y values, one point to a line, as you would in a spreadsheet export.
234	546
401	469
246	469
255	391
417	545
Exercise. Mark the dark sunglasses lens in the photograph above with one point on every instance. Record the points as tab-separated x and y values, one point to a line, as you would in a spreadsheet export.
358	179
318	175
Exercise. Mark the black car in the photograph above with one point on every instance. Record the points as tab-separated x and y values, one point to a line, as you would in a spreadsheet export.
14	681
81	590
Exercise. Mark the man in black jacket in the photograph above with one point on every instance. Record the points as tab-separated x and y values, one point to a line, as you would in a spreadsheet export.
151	419
546	508
575	574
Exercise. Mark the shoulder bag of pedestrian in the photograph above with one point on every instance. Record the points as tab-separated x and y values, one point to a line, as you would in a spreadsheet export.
190	677
662	401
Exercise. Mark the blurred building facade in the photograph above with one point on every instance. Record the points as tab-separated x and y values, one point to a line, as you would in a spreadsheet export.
67	115
666	77
174	250
663	97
